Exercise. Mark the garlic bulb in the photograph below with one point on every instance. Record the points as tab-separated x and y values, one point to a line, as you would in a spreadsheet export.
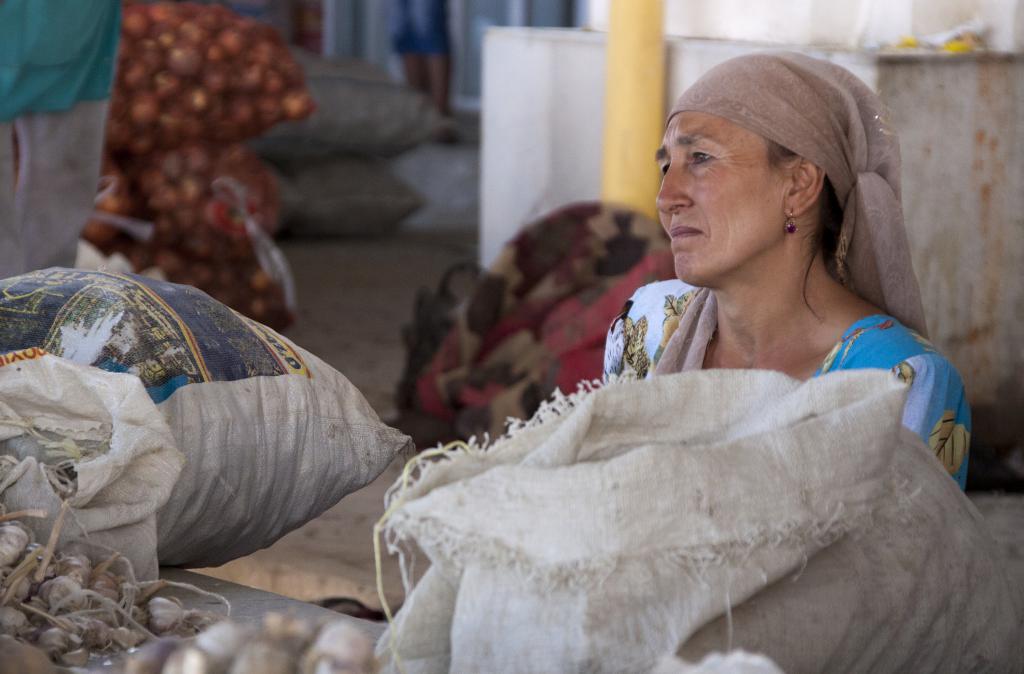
94	632
164	615
288	631
126	638
221	641
13	541
55	642
188	660
76	658
107	585
261	657
63	592
12	621
75	566
340	647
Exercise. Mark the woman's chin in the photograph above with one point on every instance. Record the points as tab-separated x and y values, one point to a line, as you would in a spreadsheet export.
688	273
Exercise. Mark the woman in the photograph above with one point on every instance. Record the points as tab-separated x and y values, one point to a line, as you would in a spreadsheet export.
781	198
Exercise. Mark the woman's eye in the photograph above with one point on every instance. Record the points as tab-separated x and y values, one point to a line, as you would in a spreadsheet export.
664	169
699	157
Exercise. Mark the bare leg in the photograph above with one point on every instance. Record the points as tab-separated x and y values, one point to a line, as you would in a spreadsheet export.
439	71
416	76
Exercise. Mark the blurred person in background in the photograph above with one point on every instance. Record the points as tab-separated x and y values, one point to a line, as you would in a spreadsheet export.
419	33
56	68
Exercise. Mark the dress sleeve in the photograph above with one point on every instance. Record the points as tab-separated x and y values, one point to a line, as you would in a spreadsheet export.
639	333
937	410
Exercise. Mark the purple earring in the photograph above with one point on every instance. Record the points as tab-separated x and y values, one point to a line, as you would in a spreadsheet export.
790	224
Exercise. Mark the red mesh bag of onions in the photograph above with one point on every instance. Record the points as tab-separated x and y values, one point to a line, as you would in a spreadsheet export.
203	216
190	72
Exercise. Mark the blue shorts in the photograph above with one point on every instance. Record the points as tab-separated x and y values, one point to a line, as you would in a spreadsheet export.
420	26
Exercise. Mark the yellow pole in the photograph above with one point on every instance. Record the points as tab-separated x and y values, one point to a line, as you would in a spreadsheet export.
634	106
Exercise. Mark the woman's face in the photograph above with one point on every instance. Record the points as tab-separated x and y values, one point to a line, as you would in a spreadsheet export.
720	200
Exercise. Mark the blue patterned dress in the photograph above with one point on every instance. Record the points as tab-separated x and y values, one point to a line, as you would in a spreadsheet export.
936	407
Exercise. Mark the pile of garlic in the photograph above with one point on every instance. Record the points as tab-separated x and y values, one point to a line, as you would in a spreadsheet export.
283	644
70	609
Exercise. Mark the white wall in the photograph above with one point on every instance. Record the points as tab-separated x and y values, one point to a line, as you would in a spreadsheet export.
541	126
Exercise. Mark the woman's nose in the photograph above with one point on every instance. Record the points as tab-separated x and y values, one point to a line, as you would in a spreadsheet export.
673	194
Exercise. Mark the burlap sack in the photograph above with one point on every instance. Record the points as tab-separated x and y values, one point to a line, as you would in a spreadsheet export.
93	437
610	530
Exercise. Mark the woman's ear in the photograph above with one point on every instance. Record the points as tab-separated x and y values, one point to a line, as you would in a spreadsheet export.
805	186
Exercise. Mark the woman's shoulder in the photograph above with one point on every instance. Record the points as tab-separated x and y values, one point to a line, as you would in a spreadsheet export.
881	341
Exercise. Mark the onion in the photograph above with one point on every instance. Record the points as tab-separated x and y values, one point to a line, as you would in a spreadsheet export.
198	100
172	165
118	133
197	159
135	76
242	112
191	128
167	85
251	79
99	234
144	109
135	24
270	110
273	84
260	281
215	79
185	61
163	199
162	12
215	53
203	273
166	38
141	144
297	104
232	41
151	179
165	231
263	53
151	55
186	217
192	32
191	190
170	262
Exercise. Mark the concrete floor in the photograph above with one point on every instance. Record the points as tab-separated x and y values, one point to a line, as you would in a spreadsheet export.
354	296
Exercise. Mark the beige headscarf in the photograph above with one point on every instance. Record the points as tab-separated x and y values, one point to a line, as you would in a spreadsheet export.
825	114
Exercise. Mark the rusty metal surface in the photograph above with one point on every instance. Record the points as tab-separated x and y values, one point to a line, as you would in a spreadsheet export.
961	126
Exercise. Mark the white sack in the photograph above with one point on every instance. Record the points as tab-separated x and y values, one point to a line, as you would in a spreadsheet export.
51	410
602	538
266	455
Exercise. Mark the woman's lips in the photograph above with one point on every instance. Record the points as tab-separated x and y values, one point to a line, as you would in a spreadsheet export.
682	232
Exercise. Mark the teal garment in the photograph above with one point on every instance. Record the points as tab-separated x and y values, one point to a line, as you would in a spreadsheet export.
936	408
55	53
